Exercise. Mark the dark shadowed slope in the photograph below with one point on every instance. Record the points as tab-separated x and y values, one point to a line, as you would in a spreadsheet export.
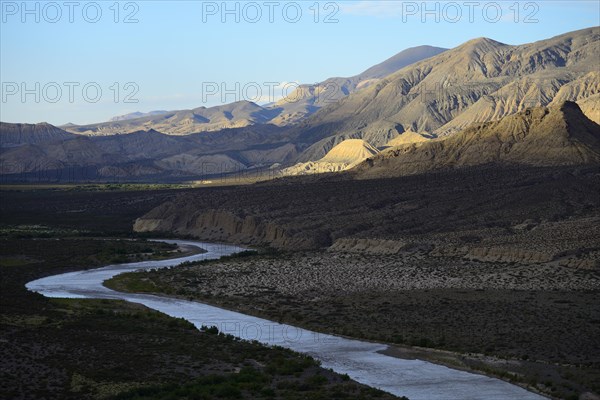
19	134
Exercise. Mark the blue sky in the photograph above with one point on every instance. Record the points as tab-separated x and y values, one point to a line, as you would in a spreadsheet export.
172	55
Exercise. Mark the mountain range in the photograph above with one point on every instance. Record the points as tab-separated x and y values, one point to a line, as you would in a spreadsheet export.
425	108
479	81
300	103
543	136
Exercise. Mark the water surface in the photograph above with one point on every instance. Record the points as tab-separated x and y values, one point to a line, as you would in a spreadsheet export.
416	379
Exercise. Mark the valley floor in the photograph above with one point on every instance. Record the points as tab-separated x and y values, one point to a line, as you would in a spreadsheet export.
537	325
494	270
102	349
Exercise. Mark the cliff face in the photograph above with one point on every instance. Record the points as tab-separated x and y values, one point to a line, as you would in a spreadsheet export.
220	225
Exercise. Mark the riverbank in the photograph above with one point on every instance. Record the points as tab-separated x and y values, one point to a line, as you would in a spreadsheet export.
105	349
360	360
528	324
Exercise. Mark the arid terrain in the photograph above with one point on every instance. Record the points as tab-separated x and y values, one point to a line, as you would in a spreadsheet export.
445	202
499	262
532	324
101	349
518	214
428	91
492	269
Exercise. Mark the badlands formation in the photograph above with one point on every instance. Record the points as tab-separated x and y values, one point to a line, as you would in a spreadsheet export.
345	155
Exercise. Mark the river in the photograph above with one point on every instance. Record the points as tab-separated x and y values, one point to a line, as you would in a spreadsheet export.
416	379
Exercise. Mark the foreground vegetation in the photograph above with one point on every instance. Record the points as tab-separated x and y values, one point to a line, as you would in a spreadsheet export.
80	349
545	337
103	349
94	187
85	212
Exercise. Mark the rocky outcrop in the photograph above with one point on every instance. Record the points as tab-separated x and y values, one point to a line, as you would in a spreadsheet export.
314	167
519	255
592	263
493	213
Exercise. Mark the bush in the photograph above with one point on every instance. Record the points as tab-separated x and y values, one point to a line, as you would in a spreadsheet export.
212	330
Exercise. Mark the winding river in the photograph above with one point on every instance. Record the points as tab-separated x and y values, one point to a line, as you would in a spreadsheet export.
418	380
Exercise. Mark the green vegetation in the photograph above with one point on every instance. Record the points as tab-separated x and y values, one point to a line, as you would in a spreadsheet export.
249	382
27	209
96	187
104	251
105	349
38	231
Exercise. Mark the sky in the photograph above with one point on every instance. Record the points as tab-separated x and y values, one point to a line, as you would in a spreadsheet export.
86	61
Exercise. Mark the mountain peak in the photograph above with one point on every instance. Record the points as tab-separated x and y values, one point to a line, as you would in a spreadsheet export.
483	44
400	60
484	40
135	115
245	102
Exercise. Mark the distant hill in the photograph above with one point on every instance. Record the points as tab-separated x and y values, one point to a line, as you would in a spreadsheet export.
307	99
137	114
19	134
44	152
184	122
409	137
553	136
434	95
303	102
399	61
350	151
